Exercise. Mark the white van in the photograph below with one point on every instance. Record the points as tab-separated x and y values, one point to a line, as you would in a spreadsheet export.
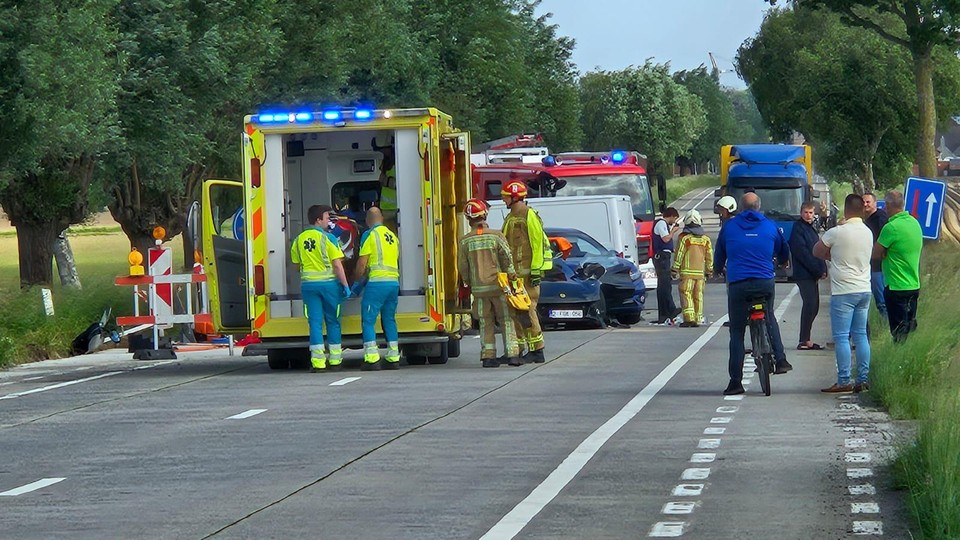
607	218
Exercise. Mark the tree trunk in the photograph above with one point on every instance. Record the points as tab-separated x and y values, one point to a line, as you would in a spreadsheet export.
143	244
926	141
35	243
66	264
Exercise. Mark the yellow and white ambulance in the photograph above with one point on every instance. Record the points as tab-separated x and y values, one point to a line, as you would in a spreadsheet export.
294	159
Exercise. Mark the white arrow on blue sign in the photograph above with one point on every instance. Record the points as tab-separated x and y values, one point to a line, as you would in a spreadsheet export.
925	199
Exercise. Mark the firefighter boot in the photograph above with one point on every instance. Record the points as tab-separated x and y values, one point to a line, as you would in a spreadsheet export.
335	362
371	356
393	355
535	356
490	362
318	360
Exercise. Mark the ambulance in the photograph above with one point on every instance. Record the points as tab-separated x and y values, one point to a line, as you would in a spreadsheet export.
341	157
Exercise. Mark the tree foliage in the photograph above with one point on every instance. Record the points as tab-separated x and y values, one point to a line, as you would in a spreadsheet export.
750	125
641	108
721	125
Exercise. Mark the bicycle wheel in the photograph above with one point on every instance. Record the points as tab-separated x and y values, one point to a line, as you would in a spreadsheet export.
764	357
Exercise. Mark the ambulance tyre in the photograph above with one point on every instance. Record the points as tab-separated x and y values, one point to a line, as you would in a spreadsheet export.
413	355
299	358
443	356
453	348
276	359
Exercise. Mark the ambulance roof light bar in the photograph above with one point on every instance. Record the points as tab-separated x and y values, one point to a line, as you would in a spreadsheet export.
616	157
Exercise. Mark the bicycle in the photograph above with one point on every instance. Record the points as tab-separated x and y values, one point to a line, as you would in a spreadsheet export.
760	339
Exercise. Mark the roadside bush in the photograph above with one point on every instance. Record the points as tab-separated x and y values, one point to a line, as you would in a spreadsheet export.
679	186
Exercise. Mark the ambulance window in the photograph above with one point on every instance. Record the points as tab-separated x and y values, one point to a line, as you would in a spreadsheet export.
353	199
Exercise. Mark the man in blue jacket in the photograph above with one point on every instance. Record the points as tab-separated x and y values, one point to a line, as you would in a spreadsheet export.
807	273
746	247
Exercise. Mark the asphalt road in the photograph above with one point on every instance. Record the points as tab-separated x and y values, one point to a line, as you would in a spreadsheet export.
623	433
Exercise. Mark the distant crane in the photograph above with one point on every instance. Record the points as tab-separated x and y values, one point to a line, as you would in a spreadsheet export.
716	70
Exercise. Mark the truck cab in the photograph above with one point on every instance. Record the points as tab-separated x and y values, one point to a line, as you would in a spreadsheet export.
585	173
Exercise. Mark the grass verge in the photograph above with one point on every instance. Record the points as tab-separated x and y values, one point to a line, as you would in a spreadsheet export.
27	334
679	186
918	380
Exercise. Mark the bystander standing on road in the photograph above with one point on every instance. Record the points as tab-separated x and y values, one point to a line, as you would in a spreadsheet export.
875	219
899	246
664	232
807	273
747	247
848	248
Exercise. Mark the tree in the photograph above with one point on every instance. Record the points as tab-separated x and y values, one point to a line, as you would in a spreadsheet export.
845	89
57	88
921	27
721	124
641	109
750	126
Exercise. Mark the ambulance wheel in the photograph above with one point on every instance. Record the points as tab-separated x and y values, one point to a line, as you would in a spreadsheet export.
443	356
453	348
277	359
413	355
299	358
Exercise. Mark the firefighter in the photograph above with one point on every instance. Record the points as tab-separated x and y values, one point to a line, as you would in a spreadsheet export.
531	257
323	285
378	275
484	254
693	264
388	184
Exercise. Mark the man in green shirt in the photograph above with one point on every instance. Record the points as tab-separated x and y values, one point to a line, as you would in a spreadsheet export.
899	247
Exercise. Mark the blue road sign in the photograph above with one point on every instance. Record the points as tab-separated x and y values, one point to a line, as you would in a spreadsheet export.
925	200
881	204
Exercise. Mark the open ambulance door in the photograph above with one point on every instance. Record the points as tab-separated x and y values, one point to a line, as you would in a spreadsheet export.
455	192
225	254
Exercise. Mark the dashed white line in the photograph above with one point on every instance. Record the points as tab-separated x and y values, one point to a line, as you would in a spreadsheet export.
59	385
246	414
667	529
688	490
868	528
708	443
864	508
857	457
714	431
738	397
34	378
855	443
673	508
859	472
518	518
342	382
727	410
721	419
862	489
32	486
695	474
703	457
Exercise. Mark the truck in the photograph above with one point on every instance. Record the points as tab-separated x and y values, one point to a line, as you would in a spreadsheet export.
515	148
782	175
293	159
606	218
617	172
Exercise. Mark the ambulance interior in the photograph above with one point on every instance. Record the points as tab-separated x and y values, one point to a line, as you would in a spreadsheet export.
342	169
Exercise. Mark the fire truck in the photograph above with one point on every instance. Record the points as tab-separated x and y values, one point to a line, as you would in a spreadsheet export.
515	148
294	159
586	173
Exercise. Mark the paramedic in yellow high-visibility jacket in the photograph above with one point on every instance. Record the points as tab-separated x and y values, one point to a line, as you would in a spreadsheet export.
323	285
379	267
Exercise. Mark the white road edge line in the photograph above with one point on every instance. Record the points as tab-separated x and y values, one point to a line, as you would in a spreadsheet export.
710	191
246	414
342	382
60	385
521	515
32	486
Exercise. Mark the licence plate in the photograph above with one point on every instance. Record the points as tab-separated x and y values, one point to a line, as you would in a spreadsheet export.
566	313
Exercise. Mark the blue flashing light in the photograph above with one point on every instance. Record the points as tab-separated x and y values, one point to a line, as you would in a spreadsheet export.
303	117
265	118
362	114
618	156
332	116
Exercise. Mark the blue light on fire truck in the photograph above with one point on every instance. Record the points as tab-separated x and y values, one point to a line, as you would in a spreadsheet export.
618	156
362	114
332	116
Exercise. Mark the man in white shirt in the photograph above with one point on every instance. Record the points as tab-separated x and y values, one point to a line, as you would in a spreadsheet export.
848	249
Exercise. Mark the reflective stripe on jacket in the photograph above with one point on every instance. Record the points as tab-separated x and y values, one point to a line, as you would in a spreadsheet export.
315	250
694	254
382	249
482	255
528	243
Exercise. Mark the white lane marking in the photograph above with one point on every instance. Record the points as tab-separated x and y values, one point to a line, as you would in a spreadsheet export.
695	474
84	368
706	191
32	486
864	508
849	407
714	431
857	457
727	410
33	378
853	429
862	489
518	518
868	528
708	443
785	303
721	419
855	472
6	383
738	397
703	457
746	381
165	362
688	490
59	385
246	414
667	529
342	382
855	443
679	508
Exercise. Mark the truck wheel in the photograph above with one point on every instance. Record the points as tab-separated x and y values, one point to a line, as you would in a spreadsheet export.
443	356
453	348
277	359
299	358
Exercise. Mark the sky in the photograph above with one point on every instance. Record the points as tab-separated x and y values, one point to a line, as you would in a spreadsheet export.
614	34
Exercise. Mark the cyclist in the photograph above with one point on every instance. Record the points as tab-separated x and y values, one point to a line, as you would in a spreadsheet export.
747	247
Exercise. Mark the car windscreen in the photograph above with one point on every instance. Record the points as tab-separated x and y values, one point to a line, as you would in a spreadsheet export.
776	204
633	185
